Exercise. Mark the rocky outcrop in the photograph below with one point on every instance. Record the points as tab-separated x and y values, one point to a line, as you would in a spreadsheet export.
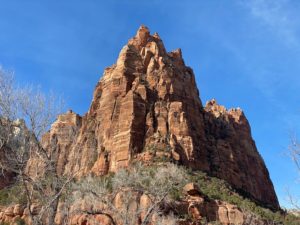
195	206
233	155
11	214
147	105
61	136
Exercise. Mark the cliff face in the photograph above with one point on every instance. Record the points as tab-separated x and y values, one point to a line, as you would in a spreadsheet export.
147	105
233	155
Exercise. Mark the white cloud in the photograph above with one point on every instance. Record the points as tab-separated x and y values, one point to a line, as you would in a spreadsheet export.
277	16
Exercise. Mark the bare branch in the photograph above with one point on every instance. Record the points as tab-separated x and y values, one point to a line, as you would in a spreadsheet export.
127	186
20	146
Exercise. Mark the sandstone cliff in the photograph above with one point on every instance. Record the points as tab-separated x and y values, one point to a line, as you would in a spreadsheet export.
147	105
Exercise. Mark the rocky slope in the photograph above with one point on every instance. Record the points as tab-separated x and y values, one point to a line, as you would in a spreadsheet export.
147	105
195	204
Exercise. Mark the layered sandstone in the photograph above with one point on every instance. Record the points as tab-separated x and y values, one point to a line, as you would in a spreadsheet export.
233	155
146	105
61	136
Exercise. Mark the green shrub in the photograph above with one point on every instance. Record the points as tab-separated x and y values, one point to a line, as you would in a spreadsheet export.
20	221
176	194
12	195
4	197
218	189
3	223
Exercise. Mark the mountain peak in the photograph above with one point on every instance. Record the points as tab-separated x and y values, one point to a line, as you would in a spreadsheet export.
146	107
144	40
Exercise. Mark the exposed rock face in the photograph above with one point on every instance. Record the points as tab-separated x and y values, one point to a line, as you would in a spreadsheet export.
148	104
62	134
233	155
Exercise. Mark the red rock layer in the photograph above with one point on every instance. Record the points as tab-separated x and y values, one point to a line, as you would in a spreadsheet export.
148	102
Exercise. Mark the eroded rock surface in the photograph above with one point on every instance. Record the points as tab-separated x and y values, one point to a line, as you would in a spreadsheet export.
146	105
233	155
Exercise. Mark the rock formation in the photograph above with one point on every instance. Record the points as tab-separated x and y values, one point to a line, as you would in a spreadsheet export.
147	105
195	205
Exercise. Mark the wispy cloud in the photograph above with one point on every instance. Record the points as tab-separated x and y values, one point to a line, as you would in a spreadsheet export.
276	15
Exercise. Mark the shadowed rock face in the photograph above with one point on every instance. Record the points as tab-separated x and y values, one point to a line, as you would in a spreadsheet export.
233	155
148	103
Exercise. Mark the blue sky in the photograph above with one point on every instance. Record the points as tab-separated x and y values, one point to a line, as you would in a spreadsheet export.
244	53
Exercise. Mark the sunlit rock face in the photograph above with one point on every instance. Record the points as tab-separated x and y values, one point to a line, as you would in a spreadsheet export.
147	105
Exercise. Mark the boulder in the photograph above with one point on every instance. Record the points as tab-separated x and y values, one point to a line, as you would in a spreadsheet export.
9	211
35	208
18	210
191	189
